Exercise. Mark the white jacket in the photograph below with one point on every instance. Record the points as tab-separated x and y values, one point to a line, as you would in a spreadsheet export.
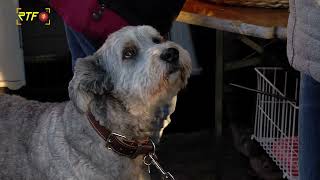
304	37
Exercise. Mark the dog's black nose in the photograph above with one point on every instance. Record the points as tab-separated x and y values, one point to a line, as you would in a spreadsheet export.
170	55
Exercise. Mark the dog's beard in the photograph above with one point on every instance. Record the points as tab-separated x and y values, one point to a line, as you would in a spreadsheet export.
173	69
153	82
160	122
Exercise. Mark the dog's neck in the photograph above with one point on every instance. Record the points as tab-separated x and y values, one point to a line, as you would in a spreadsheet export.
117	116
87	144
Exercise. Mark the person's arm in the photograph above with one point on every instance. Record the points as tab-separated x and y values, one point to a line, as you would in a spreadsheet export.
157	13
45	1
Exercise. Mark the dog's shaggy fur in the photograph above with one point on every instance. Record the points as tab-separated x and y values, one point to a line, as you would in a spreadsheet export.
126	95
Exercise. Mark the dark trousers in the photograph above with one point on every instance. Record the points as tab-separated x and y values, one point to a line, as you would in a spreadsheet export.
309	129
79	45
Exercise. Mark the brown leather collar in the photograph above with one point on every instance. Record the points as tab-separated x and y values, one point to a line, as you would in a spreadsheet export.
120	144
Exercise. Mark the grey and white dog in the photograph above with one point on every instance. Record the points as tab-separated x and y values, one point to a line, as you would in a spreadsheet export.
126	84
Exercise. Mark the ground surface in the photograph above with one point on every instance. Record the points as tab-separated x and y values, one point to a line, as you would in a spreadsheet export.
190	156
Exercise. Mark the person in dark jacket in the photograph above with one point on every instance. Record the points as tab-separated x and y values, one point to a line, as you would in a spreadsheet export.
89	22
304	55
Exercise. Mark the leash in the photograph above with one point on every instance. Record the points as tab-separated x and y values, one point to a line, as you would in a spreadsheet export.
129	148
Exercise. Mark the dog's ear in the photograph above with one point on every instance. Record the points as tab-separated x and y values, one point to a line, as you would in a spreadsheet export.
90	79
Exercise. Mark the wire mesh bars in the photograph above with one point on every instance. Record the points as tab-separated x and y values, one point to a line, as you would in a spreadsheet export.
276	118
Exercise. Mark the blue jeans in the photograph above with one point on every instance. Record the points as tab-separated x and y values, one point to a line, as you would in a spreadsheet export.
79	45
309	129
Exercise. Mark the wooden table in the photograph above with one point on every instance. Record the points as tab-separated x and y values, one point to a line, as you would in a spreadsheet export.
257	22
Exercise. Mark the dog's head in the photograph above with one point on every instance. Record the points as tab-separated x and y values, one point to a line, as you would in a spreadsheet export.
135	65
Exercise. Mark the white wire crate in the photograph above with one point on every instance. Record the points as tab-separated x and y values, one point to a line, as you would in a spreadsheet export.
276	118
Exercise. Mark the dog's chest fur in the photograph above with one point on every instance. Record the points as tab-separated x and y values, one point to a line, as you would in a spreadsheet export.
54	141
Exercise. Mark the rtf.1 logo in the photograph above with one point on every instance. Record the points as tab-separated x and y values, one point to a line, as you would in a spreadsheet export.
25	16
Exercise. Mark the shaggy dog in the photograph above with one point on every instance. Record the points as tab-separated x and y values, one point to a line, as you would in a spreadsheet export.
125	85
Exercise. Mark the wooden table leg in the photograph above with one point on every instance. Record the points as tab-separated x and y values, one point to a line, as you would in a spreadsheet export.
219	102
2	90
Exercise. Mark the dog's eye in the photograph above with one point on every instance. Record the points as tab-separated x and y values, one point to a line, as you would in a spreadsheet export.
129	52
156	40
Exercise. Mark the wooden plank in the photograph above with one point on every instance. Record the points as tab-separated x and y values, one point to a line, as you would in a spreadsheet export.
255	16
259	22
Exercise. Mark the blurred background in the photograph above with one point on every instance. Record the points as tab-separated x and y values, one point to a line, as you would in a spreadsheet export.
42	70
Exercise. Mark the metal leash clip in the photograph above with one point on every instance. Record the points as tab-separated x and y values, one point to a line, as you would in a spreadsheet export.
151	159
